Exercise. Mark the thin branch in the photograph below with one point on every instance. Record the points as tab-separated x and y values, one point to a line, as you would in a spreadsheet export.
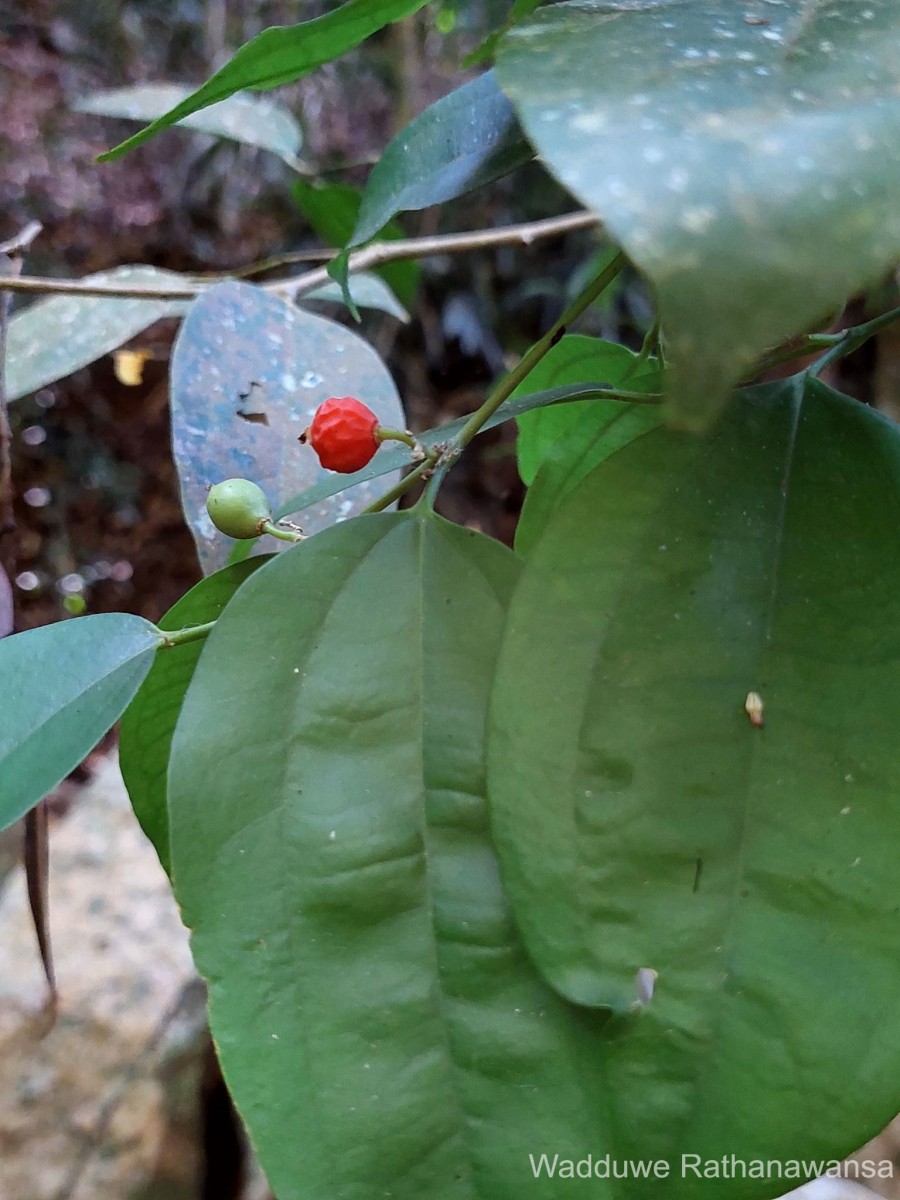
19	242
446	243
851	339
369	256
526	364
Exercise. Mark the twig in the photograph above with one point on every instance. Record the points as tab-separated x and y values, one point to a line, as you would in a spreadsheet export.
851	339
526	364
446	243
369	256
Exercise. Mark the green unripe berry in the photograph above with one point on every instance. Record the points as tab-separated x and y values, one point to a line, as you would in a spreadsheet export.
238	508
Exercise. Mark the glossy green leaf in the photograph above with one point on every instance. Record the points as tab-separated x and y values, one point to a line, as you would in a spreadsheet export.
599	430
64	685
643	820
573	360
145	735
459	143
331	856
282	54
52	338
462	141
748	163
252	120
332	209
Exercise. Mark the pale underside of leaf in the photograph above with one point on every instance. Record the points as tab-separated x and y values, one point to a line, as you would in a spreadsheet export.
65	685
52	338
251	120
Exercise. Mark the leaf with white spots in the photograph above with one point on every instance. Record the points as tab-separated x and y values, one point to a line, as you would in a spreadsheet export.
53	338
746	159
248	372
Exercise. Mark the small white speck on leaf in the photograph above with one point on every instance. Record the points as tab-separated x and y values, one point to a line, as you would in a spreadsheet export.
753	707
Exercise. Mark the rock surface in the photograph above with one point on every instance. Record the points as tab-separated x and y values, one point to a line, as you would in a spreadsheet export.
103	1105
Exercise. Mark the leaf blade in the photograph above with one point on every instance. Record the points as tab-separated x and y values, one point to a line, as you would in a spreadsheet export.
643	821
148	723
572	360
468	138
713	150
94	326
281	54
357	929
71	681
249	120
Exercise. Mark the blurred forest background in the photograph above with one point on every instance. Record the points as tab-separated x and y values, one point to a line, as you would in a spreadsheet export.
123	1100
98	504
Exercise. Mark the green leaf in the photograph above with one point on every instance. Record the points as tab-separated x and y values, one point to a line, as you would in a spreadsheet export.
145	735
331	854
459	143
599	430
252	120
52	338
65	685
388	460
331	210
749	167
366	290
488	48
643	821
248	372
573	360
281	55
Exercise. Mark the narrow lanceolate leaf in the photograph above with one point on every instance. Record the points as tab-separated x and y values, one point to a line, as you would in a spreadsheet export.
332	858
575	359
460	142
251	120
747	162
64	685
52	338
693	771
281	55
145	735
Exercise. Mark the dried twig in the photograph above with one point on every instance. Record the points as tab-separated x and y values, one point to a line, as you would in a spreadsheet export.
374	255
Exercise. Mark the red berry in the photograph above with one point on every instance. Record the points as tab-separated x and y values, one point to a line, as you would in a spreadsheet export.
343	434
